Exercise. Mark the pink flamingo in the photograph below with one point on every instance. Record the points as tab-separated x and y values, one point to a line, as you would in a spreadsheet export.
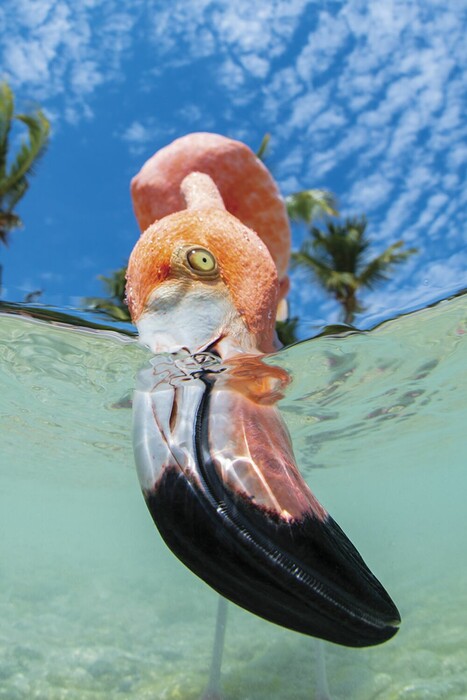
214	458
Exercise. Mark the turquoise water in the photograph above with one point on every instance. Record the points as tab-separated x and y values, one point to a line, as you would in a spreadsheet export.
93	605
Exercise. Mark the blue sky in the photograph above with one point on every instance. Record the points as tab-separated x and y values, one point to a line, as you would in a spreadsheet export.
365	98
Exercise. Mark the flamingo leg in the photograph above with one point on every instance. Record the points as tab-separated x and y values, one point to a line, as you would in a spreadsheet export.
322	689
213	689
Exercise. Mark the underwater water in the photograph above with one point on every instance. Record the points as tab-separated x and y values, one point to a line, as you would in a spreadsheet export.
94	606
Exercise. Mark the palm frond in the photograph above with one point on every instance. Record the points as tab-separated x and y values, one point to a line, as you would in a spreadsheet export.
8	222
29	153
11	198
115	284
114	304
309	205
313	264
6	116
263	147
341	282
304	259
109	309
14	179
377	269
341	245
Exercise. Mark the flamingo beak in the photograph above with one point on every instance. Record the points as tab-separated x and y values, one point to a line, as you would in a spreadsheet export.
219	477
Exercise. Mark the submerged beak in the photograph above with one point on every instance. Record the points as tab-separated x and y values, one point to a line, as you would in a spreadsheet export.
219	477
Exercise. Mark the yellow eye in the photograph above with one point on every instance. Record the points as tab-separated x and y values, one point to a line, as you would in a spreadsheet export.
201	261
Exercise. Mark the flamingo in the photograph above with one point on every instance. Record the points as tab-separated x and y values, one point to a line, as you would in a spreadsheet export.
213	455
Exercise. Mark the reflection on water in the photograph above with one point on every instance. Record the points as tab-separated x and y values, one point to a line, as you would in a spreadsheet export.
93	605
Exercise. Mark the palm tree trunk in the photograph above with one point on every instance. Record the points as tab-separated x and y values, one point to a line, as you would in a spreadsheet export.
349	315
348	301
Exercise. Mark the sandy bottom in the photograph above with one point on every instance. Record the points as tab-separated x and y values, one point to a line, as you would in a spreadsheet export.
67	638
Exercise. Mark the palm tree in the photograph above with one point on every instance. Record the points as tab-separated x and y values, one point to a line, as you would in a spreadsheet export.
114	304
337	259
310	205
15	172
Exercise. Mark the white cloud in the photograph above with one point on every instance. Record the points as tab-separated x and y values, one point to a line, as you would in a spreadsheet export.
51	276
241	30
142	135
66	49
256	66
457	156
432	207
307	107
232	76
369	193
192	114
322	45
137	133
85	77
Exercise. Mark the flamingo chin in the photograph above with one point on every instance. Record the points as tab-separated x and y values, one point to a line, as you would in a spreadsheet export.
194	320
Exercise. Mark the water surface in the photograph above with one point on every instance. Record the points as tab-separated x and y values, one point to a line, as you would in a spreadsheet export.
93	605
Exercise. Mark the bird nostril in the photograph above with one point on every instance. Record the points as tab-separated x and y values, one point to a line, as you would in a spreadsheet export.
173	416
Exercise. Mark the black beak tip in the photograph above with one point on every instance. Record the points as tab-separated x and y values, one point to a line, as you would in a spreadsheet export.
307	577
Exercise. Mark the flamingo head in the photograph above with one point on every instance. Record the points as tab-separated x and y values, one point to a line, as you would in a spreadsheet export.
199	279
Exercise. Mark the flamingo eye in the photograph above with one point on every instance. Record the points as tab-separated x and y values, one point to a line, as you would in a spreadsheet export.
201	261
